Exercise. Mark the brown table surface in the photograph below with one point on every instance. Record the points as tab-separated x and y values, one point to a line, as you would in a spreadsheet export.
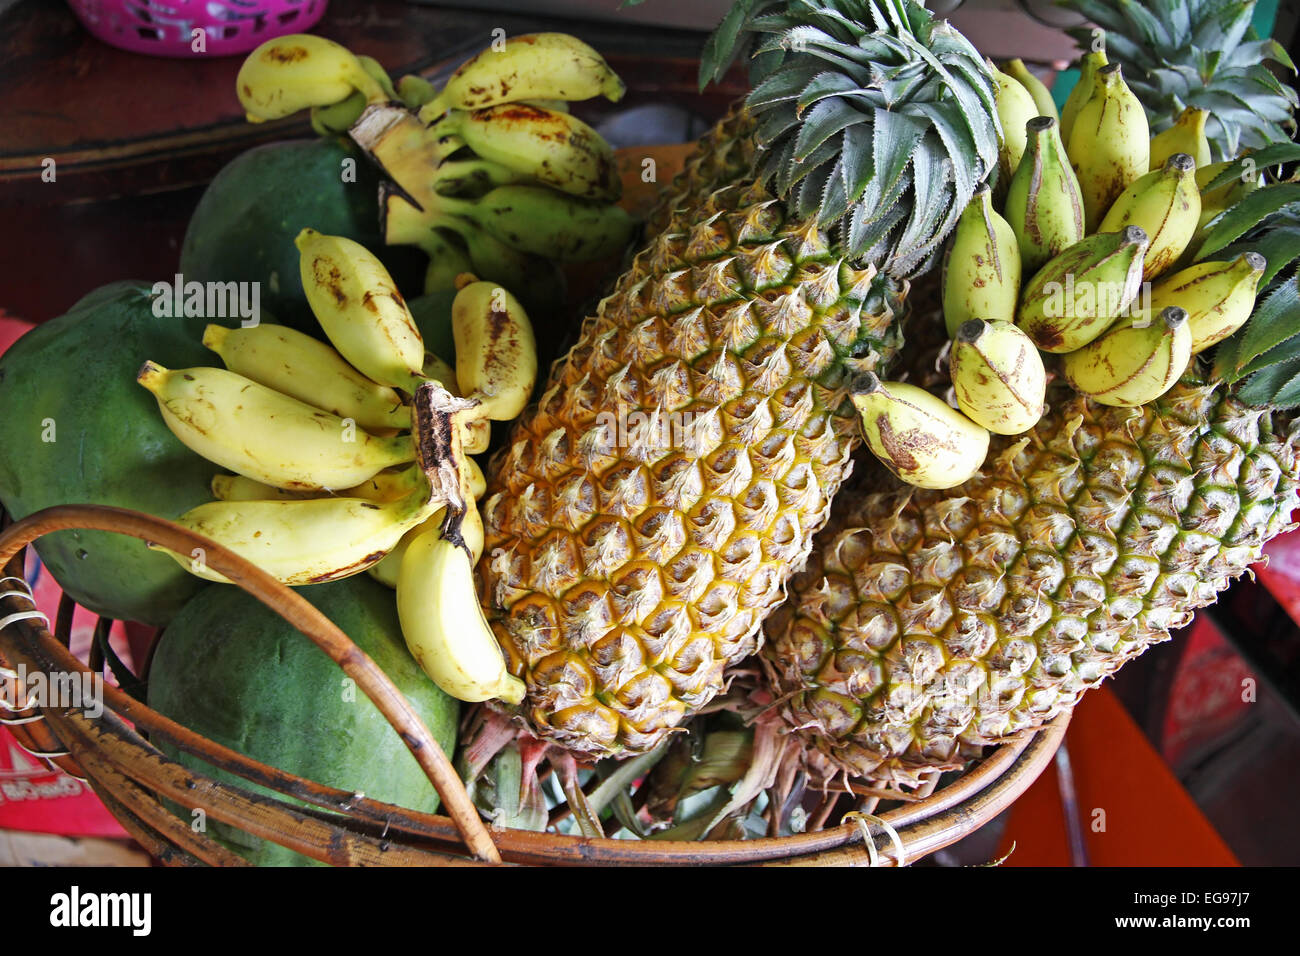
134	138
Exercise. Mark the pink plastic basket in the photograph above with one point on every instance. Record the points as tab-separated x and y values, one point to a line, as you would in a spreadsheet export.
165	27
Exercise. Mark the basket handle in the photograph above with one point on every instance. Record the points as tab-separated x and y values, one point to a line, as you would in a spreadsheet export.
297	611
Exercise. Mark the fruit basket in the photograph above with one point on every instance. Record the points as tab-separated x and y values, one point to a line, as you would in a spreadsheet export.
1063	491
132	777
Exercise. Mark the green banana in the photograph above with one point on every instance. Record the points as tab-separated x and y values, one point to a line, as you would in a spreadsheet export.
1043	102
918	437
1015	108
530	67
998	377
981	277
336	119
1217	296
1044	204
556	149
298	71
546	223
1109	145
474	177
447	260
358	305
536	280
1166	204
257	432
414	91
309	370
1187	135
1077	295
1134	363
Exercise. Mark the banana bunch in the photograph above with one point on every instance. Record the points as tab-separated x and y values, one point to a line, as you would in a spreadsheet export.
490	175
1089	257
353	455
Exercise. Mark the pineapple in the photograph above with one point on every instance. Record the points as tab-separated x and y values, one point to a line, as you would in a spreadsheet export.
1202	53
647	514
929	624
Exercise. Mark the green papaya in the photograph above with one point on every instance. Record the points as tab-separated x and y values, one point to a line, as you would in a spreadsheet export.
77	429
234	671
243	227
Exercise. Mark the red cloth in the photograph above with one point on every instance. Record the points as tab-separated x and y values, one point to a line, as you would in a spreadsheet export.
35	796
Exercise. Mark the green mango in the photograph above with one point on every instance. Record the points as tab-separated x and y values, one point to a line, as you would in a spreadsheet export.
244	225
77	429
234	671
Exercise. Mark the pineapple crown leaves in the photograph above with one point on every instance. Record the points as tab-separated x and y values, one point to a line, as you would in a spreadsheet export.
1201	53
1262	359
871	115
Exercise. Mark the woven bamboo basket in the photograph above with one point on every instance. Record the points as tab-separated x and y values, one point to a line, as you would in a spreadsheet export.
114	755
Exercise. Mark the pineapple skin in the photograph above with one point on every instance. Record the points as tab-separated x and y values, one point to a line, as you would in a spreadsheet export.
929	624
623	576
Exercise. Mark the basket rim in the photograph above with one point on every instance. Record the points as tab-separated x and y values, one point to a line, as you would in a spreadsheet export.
924	825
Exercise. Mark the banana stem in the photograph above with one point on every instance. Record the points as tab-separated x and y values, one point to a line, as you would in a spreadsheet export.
435	416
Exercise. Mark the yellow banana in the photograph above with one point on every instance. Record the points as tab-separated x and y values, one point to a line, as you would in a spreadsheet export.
547	223
261	434
439	371
1015	108
1043	102
1109	146
1089	64
981	277
444	625
360	309
1217	296
1077	295
1187	135
308	541
998	377
1044	205
385	570
239	488
299	71
496	355
388	485
556	149
1134	363
1215	202
530	67
1166	204
309	370
918	437
471	529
